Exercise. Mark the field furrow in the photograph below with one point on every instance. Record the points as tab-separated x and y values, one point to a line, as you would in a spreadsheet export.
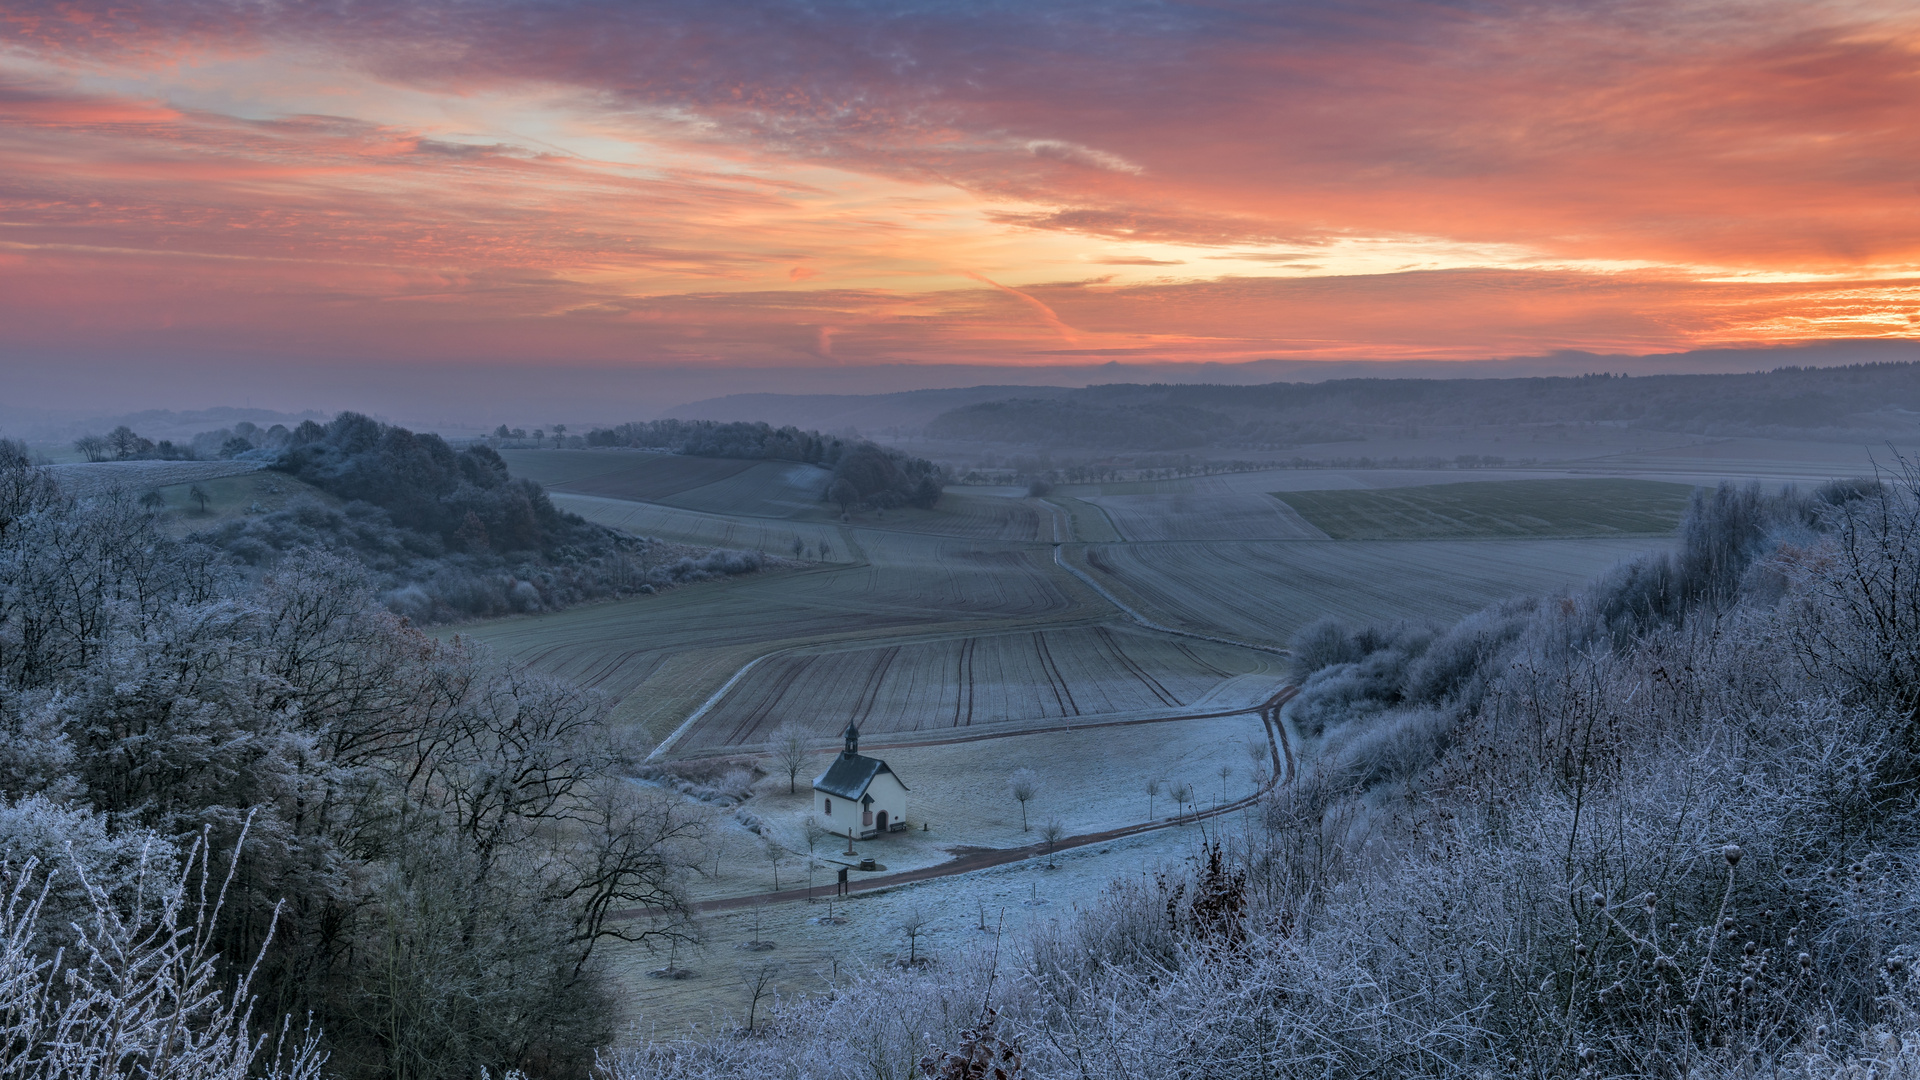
1205	516
1037	677
1266	591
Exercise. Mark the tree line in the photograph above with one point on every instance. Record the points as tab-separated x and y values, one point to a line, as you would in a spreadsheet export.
864	474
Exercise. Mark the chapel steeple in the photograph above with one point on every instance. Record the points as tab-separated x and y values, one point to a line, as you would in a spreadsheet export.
853	739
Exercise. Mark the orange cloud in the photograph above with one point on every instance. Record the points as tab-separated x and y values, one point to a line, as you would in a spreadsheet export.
649	182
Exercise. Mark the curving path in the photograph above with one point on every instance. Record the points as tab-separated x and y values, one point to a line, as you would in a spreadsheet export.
969	860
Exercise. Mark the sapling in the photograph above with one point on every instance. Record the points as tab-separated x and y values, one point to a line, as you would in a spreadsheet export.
1023	785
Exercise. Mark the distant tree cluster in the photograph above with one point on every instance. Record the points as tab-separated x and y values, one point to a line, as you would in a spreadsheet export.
863	474
449	534
125	444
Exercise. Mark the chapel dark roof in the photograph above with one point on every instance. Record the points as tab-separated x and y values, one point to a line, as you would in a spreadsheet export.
851	774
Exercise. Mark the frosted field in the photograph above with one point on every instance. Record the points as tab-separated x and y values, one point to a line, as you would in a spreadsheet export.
91	478
768	489
693	527
1204	516
959	683
1267	591
1092	779
659	657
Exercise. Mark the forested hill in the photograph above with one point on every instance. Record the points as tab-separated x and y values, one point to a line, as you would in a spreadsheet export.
447	534
863	472
1872	401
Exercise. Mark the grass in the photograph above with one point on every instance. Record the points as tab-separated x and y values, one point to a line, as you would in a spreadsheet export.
1090	523
231	497
620	474
1265	591
969	516
1498	508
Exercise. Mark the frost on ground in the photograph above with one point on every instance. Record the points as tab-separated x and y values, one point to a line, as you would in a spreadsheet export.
91	478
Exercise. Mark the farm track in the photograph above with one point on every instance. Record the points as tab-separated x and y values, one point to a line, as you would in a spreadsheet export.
966	861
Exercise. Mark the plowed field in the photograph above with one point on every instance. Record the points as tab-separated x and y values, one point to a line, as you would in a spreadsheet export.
970	516
693	527
1205	516
660	656
962	682
1266	591
768	489
1585	507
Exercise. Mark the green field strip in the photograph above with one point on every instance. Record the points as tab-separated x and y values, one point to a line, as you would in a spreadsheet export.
1496	509
1090	523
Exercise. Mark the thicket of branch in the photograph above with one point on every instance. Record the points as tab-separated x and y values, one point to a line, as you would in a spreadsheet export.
430	846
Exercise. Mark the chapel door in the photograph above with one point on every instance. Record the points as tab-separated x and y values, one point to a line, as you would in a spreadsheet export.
880	821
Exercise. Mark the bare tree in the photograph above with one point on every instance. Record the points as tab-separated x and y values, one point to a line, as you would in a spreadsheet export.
814	833
790	745
124	442
200	497
914	925
758	981
1224	771
1052	832
633	853
1258	752
1023	785
93	446
775	855
153	500
1182	794
1153	790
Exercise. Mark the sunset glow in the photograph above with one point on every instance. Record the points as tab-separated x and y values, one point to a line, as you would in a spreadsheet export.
768	185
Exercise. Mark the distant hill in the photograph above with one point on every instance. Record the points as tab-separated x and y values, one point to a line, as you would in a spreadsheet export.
910	412
868	414
1861	402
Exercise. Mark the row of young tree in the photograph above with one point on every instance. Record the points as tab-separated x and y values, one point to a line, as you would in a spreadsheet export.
864	474
1666	825
423	851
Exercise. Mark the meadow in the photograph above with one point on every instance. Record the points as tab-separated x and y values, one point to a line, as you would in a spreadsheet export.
1499	508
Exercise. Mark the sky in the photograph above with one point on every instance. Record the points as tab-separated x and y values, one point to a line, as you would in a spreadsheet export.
207	199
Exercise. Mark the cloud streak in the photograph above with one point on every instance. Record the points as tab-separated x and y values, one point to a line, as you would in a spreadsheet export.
759	182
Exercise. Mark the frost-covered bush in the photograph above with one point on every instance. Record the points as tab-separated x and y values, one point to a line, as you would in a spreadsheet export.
140	991
80	861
